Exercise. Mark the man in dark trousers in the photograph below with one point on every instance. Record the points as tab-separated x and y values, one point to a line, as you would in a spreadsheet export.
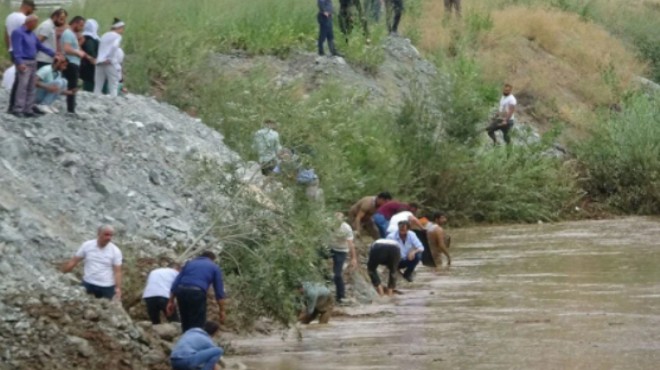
25	45
74	54
393	11
384	252
325	26
347	10
190	287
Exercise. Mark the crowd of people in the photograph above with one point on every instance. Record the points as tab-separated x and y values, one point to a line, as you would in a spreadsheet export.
50	59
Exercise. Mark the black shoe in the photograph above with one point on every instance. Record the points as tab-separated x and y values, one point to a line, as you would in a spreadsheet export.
29	115
408	278
38	111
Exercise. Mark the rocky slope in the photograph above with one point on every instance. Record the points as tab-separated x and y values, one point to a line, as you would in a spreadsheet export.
127	162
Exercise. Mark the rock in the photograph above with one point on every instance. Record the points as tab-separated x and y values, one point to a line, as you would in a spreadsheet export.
167	331
176	225
91	315
81	345
154	178
232	364
154	357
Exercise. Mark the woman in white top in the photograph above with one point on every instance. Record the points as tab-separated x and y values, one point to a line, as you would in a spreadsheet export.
108	63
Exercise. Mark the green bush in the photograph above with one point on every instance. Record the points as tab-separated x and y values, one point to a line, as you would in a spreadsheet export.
622	158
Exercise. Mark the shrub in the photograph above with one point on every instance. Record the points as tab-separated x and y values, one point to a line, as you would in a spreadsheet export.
622	158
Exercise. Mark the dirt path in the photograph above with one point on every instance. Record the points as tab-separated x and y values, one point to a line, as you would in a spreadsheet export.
579	295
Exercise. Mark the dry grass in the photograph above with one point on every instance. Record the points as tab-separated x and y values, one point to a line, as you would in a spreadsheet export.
563	66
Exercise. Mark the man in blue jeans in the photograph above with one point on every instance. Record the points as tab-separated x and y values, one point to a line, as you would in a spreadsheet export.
189	288
196	349
340	246
411	249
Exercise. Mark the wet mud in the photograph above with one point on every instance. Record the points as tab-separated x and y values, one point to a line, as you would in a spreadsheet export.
575	295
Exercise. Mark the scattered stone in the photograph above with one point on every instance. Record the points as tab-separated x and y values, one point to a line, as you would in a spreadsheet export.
91	315
81	345
167	331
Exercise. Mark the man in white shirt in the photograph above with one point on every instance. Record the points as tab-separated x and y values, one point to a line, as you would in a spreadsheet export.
266	143
505	116
102	272
411	249
108	61
47	34
340	246
157	292
407	215
8	77
12	23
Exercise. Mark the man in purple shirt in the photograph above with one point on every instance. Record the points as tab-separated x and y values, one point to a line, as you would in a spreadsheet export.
25	45
190	287
386	211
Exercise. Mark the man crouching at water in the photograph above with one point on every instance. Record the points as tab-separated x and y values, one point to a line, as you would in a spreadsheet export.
318	303
384	252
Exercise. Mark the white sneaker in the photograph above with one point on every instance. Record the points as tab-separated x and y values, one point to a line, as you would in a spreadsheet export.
53	109
45	109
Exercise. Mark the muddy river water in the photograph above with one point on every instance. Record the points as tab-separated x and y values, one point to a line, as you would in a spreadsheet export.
575	295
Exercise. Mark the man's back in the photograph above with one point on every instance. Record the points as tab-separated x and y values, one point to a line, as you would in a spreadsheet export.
266	144
367	205
201	272
191	342
159	282
13	22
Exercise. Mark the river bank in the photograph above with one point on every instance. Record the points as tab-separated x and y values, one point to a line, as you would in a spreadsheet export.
573	295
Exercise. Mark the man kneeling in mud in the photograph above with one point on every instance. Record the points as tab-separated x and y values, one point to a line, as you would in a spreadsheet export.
318	303
384	252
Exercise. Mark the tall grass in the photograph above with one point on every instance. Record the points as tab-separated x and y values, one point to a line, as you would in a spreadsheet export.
622	158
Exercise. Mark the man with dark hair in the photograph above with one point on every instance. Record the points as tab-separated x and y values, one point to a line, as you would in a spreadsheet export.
393	11
47	34
438	240
50	85
25	46
190	287
196	349
504	119
410	246
384	252
157	292
71	49
12	23
361	213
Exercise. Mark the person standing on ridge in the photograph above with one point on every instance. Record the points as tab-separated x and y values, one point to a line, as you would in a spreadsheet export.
504	119
190	287
90	46
324	17
108	62
393	12
102	273
12	23
71	49
47	34
25	46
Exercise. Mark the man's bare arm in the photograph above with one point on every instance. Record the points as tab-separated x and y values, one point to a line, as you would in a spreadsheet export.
118	277
358	221
69	266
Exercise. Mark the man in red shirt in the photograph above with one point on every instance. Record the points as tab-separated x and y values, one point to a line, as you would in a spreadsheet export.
386	211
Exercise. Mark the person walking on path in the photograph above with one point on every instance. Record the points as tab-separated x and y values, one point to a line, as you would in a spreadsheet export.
108	62
393	12
266	142
342	244
25	46
411	249
504	119
157	292
50	85
102	273
318	303
12	23
74	55
91	47
453	4
196	350
361	214
324	17
190	287
438	240
387	253
47	34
